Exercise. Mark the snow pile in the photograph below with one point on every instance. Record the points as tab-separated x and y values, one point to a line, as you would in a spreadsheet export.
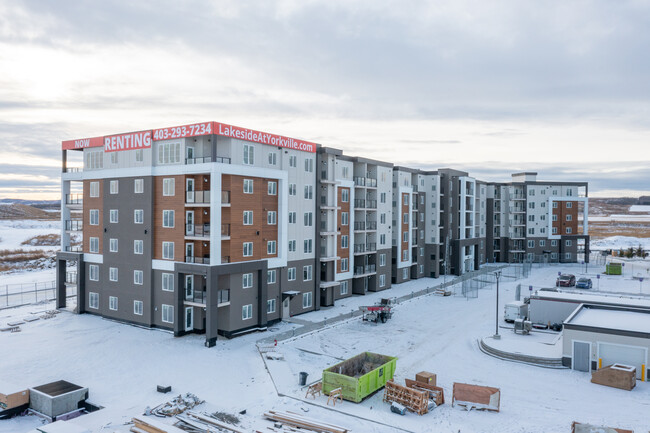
618	242
640	208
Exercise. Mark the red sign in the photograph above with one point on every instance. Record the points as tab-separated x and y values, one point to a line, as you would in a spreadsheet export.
183	131
263	137
130	141
82	143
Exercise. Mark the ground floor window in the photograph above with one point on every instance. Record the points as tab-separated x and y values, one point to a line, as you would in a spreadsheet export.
168	313
138	308
270	306
93	300
344	288
112	303
247	312
306	300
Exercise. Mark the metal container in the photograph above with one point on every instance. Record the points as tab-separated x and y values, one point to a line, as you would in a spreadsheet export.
360	376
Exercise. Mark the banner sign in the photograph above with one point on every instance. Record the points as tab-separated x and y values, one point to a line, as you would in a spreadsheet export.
131	141
183	131
82	143
262	137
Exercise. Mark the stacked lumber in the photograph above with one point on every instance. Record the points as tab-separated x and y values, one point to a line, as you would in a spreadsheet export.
577	427
414	400
205	423
436	394
178	405
150	425
300	421
616	375
476	397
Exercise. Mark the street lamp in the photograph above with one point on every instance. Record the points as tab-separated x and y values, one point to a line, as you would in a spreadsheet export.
497	275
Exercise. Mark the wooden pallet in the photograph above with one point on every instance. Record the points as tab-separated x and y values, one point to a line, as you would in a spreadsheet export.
414	400
436	394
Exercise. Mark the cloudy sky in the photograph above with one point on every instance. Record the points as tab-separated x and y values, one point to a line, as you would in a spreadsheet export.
492	87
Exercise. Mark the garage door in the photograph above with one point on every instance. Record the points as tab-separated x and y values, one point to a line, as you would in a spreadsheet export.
630	355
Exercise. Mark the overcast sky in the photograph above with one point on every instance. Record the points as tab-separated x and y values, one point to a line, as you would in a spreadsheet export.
491	87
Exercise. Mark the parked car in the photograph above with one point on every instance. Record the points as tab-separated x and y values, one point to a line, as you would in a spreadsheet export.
566	280
584	283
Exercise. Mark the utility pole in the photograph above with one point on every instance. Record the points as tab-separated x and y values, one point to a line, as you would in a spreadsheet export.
497	274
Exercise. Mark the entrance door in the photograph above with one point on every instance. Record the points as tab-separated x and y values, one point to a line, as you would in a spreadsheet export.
286	308
189	319
189	188
189	222
189	154
581	351
622	354
189	287
189	252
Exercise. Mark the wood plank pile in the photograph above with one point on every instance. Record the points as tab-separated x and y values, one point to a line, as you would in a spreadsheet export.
204	423
414	400
178	405
616	375
303	422
436	394
149	425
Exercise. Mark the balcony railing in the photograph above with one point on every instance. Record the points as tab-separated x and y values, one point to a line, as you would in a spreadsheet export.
197	197
73	248
198	230
74	199
73	169
225	197
359	225
225	229
71	277
359	248
370	182
197	296
74	225
197	260
371	246
359	181
367	269
204	159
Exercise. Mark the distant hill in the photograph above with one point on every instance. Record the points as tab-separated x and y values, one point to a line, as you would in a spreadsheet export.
19	211
40	204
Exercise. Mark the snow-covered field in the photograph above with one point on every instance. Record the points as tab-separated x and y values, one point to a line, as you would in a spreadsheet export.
618	242
13	232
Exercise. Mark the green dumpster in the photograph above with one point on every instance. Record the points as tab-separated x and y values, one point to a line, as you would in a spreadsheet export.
613	269
360	376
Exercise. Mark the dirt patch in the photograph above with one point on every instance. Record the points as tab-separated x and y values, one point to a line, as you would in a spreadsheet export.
49	240
17	211
20	259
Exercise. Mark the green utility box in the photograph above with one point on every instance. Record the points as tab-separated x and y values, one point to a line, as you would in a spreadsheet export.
614	269
360	376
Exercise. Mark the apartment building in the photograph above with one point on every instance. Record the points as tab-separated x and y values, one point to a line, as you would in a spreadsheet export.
215	229
537	221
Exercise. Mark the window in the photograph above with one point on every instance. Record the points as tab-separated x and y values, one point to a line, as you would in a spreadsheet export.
271	247
94	245
293	161
115	186
542	230
138	277
531	205
307	246
382	259
554	217
248	217
168	250
405	199
567	256
421	234
309	165
382	197
542	242
247	281
93	300
531	244
272	188
531	218
308	217
292	246
405	218
271	217
273	158
554	205
94	217
422	268
344	288
306	299
554	243
543	204
249	154
93	271
422	250
139	155
568	243
569	217
344	241
309	192
138	308
271	276
346	172
168	282
113	245
531	231
382	239
138	247
405	273
569	230
94	189
405	255
248	249
114	213
112	274
382	218
405	236
569	192
422	217
345	265
95	160
542	217
382	280
531	192
306	273
138	216
345	217
248	186
168	313
169	153
247	312
270	306
291	274
554	230
345	195
168	218
292	189
169	187
292	217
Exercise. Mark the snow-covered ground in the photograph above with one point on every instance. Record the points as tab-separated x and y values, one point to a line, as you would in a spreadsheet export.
14	232
122	365
640	208
618	242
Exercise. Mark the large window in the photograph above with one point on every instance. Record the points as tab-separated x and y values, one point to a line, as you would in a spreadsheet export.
248	249
168	313
249	154
112	303
168	282
93	271
94	245
306	273
247	312
138	216
112	274
309	192
271	276
345	195
115	186
247	280
93	300
306	300
344	288
138	277
138	247
94	217
138	186
114	216
270	306
169	186
271	247
94	160
113	245
272	188
272	217
168	218
169	153
291	274
138	308
248	217
168	250
308	246
94	189
248	186
308	219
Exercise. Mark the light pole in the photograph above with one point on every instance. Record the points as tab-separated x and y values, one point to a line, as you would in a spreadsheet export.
497	275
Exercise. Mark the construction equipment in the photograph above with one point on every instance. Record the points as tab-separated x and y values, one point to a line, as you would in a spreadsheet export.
376	313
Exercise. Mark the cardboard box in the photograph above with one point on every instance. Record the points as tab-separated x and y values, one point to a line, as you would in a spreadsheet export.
15	399
426	377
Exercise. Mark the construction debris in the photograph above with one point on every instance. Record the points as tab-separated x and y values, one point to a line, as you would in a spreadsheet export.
150	425
314	389
442	292
207	423
616	375
397	408
300	421
436	394
414	400
177	406
577	427
476	397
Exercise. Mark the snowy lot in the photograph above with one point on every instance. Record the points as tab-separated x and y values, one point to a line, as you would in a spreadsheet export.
122	365
13	232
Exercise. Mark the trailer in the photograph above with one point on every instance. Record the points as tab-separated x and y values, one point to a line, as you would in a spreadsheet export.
376	313
359	376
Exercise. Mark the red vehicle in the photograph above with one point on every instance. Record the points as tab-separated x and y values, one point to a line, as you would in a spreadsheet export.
566	280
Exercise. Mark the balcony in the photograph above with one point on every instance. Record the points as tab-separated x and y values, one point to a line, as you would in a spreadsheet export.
225	231
359	248
324	203
360	226
206	159
359	181
359	203
197	296
197	230
74	199
371	183
197	197
225	198
73	249
365	270
73	170
74	225
197	260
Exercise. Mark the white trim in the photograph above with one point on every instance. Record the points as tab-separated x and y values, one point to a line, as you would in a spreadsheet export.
93	258
162	265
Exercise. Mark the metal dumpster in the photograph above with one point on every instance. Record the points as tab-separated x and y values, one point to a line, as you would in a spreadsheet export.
360	376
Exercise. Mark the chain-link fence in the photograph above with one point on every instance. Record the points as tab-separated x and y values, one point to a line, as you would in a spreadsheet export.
13	295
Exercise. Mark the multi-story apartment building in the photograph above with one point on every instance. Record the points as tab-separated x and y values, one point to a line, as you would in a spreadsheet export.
537	220
215	229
